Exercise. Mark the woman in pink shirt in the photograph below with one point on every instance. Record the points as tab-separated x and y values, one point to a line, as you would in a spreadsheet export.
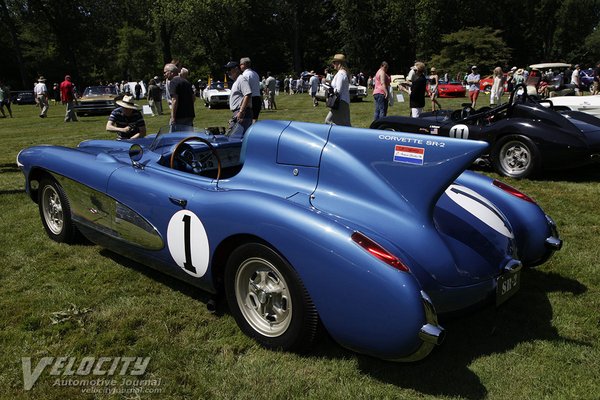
381	92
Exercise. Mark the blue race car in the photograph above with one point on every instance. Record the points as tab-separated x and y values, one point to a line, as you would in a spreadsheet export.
371	234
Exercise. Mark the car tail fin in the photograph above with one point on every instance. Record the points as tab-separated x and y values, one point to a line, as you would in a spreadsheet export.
388	171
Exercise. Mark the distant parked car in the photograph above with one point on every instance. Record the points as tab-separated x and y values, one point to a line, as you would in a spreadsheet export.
486	83
398	80
558	84
216	94
357	92
587	79
451	89
96	100
25	97
587	104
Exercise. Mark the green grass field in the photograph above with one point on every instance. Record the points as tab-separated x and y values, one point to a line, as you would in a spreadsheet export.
84	301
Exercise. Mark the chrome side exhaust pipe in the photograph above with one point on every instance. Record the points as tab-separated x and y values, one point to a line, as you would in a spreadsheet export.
434	334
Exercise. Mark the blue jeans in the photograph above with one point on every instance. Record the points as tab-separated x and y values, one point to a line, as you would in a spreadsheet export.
381	106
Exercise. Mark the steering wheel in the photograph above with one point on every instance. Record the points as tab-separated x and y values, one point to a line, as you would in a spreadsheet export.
184	153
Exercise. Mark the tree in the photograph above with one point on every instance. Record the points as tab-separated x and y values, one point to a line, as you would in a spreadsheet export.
479	46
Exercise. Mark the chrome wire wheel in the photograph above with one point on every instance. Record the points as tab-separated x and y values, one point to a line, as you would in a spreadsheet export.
52	210
263	297
515	157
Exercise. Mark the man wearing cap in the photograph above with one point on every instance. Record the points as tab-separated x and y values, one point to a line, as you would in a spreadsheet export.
473	81
254	80
182	97
240	99
41	96
126	121
67	96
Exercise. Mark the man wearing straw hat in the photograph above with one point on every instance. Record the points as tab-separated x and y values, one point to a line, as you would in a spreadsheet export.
41	96
126	121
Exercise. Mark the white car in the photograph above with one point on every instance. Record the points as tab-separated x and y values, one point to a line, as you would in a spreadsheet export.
586	104
216	94
357	92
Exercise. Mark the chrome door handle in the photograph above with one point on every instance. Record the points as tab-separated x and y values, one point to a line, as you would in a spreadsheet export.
178	202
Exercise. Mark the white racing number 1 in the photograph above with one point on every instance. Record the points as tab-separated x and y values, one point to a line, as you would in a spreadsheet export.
188	243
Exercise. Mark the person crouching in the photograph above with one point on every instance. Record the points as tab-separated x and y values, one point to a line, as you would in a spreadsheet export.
126	121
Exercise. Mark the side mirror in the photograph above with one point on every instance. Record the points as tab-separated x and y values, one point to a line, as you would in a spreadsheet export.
135	154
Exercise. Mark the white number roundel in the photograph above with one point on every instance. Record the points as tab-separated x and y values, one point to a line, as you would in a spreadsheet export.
188	243
459	131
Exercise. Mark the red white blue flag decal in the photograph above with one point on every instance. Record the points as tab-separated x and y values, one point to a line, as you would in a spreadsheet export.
409	155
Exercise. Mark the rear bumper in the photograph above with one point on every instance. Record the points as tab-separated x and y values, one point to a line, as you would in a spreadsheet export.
431	333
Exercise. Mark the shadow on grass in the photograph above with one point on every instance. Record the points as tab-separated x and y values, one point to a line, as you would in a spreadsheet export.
588	173
168	280
11	191
585	174
9	167
524	318
445	372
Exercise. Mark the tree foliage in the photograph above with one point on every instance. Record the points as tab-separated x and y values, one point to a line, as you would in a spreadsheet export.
114	40
479	46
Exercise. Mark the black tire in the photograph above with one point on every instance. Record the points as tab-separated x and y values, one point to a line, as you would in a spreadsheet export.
55	212
268	300
516	156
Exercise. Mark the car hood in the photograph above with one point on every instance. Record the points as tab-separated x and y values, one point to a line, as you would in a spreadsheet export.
97	98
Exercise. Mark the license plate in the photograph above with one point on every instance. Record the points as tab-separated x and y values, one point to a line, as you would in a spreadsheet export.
508	285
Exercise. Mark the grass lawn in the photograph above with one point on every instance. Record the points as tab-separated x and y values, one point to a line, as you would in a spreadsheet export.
84	301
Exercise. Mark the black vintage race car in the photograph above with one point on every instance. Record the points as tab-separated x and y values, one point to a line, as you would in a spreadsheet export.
525	135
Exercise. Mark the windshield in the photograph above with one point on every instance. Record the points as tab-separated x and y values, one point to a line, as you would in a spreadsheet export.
169	136
100	91
218	85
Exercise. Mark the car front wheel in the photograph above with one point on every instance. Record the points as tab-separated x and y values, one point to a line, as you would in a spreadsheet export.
268	300
55	212
516	156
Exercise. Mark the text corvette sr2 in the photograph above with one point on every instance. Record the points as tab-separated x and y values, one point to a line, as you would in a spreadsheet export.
525	135
304	225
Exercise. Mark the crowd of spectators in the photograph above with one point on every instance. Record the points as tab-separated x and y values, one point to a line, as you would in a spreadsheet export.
250	94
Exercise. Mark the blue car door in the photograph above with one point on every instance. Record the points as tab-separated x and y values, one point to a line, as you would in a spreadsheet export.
161	199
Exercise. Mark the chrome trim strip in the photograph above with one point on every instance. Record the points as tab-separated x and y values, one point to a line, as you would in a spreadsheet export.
100	212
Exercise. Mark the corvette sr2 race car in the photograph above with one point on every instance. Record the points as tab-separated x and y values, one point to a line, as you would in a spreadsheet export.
525	134
303	225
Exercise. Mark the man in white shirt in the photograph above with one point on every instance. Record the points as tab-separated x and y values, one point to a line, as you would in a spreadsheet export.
254	81
41	96
576	80
271	85
240	100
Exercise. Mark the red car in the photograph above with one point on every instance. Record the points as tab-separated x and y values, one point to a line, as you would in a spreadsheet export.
486	83
451	89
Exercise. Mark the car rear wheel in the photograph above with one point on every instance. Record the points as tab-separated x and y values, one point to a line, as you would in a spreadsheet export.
516	156
55	212
268	300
